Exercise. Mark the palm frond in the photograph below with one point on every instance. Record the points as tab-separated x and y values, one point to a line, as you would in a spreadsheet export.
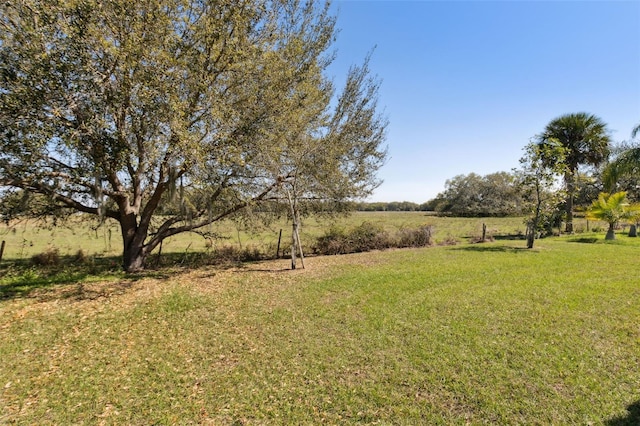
627	163
609	207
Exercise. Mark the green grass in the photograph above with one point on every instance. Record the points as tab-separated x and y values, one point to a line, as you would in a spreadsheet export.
26	239
468	334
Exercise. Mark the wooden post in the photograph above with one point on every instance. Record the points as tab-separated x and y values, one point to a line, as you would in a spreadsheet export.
279	239
1	250
484	232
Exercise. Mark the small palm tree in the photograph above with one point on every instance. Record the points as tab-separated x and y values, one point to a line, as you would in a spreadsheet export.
611	208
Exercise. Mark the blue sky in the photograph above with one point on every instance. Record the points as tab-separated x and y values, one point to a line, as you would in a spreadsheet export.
467	84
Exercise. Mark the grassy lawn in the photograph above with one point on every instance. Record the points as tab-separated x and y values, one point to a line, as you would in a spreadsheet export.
467	334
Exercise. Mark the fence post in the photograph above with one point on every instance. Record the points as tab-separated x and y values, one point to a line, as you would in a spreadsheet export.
1	250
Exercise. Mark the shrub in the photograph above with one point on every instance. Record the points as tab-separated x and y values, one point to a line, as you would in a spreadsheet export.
420	237
234	254
82	257
50	257
449	241
251	254
334	241
367	237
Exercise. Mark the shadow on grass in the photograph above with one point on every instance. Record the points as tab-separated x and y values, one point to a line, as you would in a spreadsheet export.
499	237
23	279
509	237
482	248
273	270
584	240
631	419
68	278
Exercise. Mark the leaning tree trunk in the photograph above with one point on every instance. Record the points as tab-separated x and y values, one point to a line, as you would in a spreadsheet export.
293	245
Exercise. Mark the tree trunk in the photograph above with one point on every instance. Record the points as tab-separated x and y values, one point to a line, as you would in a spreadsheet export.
633	231
611	235
569	207
531	235
134	254
532	226
133	259
293	253
299	244
532	230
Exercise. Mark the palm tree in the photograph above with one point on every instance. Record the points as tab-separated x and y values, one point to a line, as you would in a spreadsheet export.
586	140
610	208
625	164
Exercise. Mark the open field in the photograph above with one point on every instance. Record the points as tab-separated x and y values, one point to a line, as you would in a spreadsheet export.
24	240
468	334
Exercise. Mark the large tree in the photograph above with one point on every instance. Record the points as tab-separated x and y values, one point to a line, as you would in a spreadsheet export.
123	108
495	194
585	140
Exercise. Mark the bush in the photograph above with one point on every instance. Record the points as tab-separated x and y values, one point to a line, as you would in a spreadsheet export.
368	236
234	254
420	237
82	257
449	241
334	241
51	257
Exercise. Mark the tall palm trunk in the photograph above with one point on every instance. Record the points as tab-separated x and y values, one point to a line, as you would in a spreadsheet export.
569	179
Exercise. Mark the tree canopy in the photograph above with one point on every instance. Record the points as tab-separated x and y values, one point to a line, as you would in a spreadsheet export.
586	141
199	108
495	194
